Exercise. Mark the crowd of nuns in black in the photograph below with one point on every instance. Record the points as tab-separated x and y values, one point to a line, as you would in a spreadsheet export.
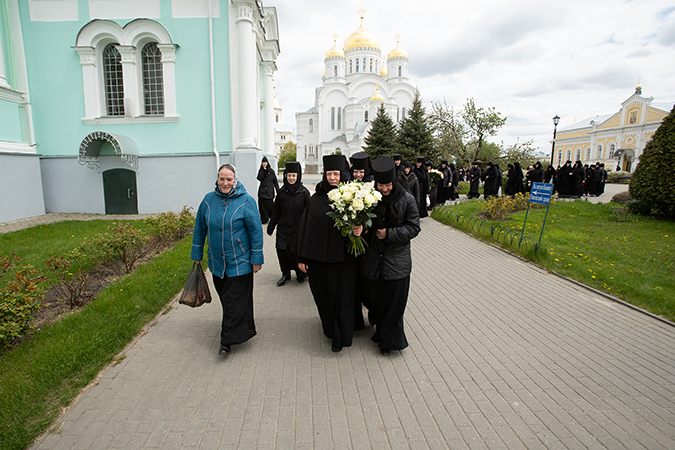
309	244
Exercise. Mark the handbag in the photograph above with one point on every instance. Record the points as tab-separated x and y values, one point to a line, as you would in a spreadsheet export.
196	291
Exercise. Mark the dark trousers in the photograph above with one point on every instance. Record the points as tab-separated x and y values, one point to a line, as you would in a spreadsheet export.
236	297
265	206
287	262
389	300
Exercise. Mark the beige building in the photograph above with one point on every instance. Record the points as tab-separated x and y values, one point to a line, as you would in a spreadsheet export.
615	139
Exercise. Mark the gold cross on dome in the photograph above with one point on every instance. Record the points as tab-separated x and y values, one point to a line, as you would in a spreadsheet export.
362	11
335	36
398	37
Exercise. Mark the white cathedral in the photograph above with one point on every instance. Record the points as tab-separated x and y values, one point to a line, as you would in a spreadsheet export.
356	81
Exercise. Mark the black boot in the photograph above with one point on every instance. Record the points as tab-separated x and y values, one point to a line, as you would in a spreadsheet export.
283	279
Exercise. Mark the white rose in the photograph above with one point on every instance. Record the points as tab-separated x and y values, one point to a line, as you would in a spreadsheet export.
358	205
369	199
348	196
334	195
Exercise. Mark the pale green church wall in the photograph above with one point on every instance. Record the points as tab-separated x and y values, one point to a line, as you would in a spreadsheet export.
56	85
21	187
10	120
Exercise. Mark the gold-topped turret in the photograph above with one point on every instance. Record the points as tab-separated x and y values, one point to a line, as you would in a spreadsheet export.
398	52
362	37
377	97
335	51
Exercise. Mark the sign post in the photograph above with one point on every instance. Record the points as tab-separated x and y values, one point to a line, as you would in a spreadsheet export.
540	194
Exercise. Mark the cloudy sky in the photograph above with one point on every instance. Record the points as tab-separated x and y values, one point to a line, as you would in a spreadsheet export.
530	59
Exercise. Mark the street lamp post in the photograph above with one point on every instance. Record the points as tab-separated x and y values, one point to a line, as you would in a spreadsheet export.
556	120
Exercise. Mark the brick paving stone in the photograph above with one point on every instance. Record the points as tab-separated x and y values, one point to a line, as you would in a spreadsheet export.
502	355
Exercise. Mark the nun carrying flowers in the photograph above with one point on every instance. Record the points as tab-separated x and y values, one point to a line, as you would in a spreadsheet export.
322	254
387	264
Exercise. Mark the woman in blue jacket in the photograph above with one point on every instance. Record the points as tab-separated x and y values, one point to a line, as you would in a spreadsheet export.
229	218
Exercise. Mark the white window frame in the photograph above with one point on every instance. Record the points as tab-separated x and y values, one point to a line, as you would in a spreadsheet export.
130	40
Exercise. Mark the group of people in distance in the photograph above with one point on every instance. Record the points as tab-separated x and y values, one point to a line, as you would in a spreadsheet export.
308	243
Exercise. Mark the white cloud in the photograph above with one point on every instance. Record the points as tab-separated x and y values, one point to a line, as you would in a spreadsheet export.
529	59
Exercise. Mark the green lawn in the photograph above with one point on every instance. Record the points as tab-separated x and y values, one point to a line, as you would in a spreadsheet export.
46	372
633	260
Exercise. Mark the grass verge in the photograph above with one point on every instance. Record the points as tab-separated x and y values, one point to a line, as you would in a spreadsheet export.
43	375
633	260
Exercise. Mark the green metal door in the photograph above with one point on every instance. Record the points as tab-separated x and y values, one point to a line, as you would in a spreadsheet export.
119	189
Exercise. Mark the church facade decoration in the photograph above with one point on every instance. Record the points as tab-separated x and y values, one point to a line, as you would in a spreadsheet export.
357	80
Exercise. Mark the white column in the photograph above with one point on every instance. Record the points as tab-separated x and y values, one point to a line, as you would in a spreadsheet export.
133	100
248	102
168	52
268	108
3	77
92	106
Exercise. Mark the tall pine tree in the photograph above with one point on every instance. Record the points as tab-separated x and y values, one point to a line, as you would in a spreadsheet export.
414	134
381	138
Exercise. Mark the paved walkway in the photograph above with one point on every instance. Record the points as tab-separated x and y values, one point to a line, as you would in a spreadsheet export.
502	355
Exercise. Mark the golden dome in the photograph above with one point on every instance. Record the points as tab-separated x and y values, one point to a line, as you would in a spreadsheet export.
398	52
383	71
335	51
377	97
362	37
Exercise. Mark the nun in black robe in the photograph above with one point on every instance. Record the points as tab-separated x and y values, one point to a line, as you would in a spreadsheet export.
425	184
387	264
475	176
322	253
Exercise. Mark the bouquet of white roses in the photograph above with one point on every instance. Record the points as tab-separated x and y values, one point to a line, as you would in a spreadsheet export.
435	175
352	205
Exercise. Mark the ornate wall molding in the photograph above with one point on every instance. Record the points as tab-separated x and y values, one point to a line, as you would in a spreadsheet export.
244	12
87	55
127	53
168	52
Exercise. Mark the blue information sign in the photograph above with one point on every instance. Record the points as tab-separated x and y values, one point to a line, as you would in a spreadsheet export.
541	193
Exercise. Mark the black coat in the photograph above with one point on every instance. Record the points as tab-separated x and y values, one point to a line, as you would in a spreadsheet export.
390	258
317	238
512	181
269	185
411	184
288	208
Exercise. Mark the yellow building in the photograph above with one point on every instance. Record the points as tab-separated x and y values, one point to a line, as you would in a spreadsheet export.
616	139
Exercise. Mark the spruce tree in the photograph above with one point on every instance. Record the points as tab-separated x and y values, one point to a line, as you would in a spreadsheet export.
414	134
381	138
653	180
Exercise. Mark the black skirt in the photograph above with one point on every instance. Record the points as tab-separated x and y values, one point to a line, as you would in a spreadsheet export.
390	299
236	297
332	286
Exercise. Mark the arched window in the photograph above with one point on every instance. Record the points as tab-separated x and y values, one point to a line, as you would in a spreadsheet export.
351	68
588	154
611	150
364	64
402	113
311	125
569	155
578	158
599	154
145	86
114	84
400	71
398	114
371	64
339	118
365	116
357	64
153	80
332	118
335	70
276	118
560	157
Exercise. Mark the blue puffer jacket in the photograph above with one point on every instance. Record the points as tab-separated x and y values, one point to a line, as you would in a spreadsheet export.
231	223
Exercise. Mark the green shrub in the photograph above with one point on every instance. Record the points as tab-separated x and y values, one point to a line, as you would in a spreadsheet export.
498	208
653	181
621	197
69	283
169	227
19	299
640	207
617	176
120	247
